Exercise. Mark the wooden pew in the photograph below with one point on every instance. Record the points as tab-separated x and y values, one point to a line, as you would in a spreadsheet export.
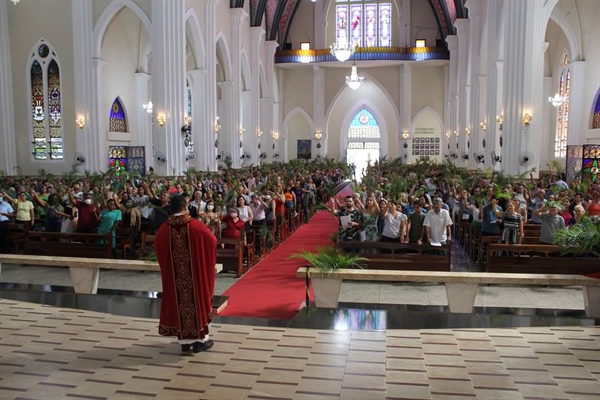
230	253
401	256
93	245
537	258
461	287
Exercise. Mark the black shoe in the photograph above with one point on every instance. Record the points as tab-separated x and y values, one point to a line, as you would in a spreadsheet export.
186	348
199	347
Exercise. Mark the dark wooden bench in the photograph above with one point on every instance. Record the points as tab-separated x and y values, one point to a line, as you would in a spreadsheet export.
230	253
90	245
402	256
537	258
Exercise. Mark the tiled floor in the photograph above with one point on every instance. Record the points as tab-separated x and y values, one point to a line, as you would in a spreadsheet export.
51	353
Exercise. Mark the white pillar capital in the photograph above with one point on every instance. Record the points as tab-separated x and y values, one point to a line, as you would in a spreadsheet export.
257	33
238	15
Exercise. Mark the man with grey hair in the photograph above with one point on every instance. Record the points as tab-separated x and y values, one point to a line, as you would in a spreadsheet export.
437	224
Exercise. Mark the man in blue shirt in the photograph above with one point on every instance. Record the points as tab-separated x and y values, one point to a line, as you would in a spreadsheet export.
6	211
490	223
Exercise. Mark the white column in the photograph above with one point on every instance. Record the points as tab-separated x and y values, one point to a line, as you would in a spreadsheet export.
578	110
272	116
319	111
257	34
238	15
229	135
405	114
7	122
99	142
211	82
523	79
168	83
266	141
453	123
143	136
203	135
463	27
250	135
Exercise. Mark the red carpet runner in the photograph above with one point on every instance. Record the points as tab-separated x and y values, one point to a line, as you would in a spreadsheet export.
271	289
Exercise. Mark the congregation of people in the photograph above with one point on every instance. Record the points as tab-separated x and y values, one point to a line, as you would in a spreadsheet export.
232	202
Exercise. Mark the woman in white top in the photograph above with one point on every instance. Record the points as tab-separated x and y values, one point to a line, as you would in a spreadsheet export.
198	203
244	211
394	227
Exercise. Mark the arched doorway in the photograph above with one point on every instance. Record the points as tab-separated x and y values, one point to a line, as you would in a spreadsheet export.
364	142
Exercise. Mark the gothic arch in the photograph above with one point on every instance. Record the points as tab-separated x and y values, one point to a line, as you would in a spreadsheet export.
423	111
199	50
122	104
291	114
573	35
225	59
369	106
262	80
376	83
595	110
108	15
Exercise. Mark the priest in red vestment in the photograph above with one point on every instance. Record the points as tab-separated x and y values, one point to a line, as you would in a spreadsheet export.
187	252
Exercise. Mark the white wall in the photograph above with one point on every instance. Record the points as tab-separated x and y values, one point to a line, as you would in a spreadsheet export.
298	128
29	22
427	88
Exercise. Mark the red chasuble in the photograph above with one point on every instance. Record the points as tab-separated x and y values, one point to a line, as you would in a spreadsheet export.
187	253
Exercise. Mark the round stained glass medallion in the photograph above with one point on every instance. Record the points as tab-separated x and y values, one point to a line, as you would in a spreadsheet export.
115	108
43	51
364	119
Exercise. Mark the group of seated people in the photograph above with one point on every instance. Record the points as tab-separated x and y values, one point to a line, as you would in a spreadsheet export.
428	217
83	207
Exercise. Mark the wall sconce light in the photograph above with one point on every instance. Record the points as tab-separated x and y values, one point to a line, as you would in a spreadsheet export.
217	126
148	107
161	120
242	130
468	131
405	135
260	133
447	135
456	133
80	122
318	135
275	136
483	126
188	120
500	121
527	119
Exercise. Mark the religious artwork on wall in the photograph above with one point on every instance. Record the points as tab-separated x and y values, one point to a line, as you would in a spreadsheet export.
117	119
304	149
37	108
574	159
371	25
591	162
356	27
136	159
596	116
341	27
385	28
117	160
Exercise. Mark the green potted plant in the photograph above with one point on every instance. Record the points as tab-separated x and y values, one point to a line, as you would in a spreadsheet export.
579	239
325	260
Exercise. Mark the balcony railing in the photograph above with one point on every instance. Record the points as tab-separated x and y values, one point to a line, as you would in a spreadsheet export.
365	53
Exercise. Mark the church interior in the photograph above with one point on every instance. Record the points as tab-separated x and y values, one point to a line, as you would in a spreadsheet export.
229	91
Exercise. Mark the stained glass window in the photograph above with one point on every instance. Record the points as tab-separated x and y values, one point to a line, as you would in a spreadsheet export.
596	116
117	160
341	27
136	159
385	27
562	124
46	104
366	23
574	162
117	120
591	162
364	126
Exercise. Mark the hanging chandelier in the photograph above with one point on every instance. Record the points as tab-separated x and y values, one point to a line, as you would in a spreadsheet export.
342	51
354	81
557	100
15	2
148	107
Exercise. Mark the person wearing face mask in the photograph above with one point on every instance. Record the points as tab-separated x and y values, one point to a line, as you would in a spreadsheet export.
234	225
6	212
212	219
89	213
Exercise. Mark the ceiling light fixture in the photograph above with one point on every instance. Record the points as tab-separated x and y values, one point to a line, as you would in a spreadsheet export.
343	51
354	81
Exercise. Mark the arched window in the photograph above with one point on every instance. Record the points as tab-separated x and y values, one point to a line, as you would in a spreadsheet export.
188	141
562	125
46	103
596	116
117	120
364	142
366	23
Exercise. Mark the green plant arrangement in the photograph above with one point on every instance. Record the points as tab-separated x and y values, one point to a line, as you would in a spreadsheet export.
267	235
328	259
582	238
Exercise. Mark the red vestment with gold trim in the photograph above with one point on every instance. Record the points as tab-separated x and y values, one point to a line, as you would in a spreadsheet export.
187	252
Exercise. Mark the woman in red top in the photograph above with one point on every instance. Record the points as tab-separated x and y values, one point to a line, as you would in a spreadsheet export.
233	225
594	206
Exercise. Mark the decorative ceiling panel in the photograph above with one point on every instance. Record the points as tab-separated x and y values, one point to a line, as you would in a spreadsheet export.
286	19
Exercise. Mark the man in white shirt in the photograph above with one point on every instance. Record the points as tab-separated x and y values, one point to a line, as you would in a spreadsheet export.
437	224
6	212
